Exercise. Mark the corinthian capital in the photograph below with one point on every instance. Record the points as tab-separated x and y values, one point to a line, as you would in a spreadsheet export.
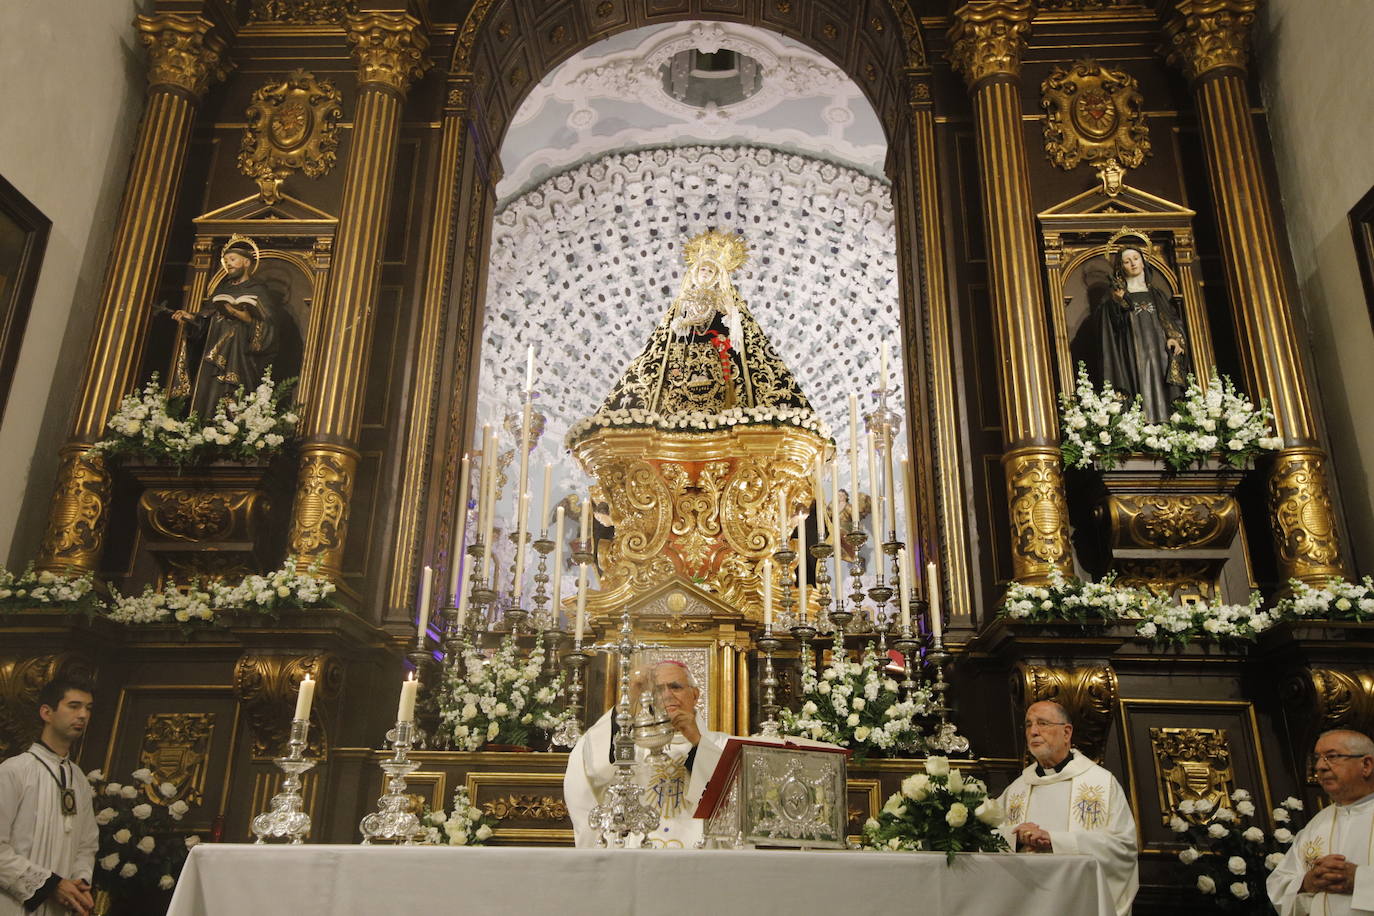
1204	35
390	49
182	52
988	36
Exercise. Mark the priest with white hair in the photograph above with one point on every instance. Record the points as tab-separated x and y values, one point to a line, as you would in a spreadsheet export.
1066	803
1329	868
672	786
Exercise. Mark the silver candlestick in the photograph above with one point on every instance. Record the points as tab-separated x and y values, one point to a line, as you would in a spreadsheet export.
946	737
570	729
854	539
393	819
286	817
769	644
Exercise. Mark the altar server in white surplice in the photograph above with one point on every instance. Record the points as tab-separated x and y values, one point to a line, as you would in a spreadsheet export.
1329	869
48	833
1065	803
673	788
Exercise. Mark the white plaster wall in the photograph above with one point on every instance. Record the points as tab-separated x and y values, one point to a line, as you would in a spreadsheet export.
1316	62
72	79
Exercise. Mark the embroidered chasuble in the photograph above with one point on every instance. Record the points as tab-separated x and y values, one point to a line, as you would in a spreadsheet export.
1346	830
36	839
1086	812
670	787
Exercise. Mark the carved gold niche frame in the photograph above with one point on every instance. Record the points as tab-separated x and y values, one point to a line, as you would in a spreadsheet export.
293	125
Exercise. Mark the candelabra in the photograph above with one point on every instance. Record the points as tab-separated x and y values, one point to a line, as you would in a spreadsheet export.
393	819
882	593
543	545
769	644
946	737
623	815
840	617
570	729
286	817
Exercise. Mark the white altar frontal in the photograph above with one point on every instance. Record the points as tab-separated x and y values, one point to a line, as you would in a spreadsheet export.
243	880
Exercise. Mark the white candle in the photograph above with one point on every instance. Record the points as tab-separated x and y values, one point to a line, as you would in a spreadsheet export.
522	510
889	491
405	709
882	365
460	526
801	568
909	506
556	574
529	368
904	591
426	586
818	493
853	463
584	528
544	502
581	602
518	587
305	697
488	498
875	509
784	529
835	525
767	594
937	627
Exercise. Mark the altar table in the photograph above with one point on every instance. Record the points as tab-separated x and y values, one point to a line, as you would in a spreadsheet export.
320	880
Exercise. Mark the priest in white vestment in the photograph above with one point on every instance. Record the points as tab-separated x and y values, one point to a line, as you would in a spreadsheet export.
674	787
48	833
1065	803
1329	869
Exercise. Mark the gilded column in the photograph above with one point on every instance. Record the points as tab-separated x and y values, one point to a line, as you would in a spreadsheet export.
389	48
1207	40
183	59
986	41
421	420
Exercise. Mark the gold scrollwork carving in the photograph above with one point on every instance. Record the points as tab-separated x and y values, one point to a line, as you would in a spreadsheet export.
1039	514
322	494
182	52
198	515
302	12
390	49
1304	522
696	519
1328	699
1093	114
266	686
1088	694
1204	35
1173	522
1192	764
988	38
20	681
1171	578
526	808
292	124
176	747
76	519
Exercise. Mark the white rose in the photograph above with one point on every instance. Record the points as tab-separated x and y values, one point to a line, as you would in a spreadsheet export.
957	815
1225	814
168	790
1245	808
458	839
166	882
1272	860
104	816
1254	835
1217	831
1178	824
1240	795
129	870
483	832
146	845
128	792
862	732
1281	815
143	775
1188	856
1283	835
1206	884
990	812
1235	865
1292	804
192	841
109	862
823	687
937	766
178	809
956	781
852	720
1240	890
122	836
95	776
142	812
916	786
1186	806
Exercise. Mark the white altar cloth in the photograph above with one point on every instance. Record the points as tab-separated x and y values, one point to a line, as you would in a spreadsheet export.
245	880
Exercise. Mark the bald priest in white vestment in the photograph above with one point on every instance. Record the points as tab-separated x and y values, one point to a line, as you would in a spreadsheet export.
1065	803
1329	869
673	788
48	833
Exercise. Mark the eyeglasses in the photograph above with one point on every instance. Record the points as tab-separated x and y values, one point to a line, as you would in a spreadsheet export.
1040	724
1330	757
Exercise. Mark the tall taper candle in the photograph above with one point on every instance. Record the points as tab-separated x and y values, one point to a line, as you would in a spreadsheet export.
488	497
544	502
889	491
426	586
767	593
529	368
875	510
522	509
581	602
305	696
853	463
909	507
460	525
556	574
937	626
784	523
801	569
818	491
584	528
904	593
882	365
835	556
405	709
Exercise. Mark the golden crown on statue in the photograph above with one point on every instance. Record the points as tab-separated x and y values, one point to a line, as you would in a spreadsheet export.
724	249
1130	238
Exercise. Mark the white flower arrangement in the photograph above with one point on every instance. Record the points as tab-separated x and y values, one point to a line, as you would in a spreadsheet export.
938	810
248	425
465	826
1182	623
141	845
697	420
1100	428
857	705
1338	600
1228	857
287	587
31	588
504	699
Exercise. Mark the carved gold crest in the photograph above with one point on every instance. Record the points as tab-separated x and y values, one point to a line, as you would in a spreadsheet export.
1093	114
292	125
1192	764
